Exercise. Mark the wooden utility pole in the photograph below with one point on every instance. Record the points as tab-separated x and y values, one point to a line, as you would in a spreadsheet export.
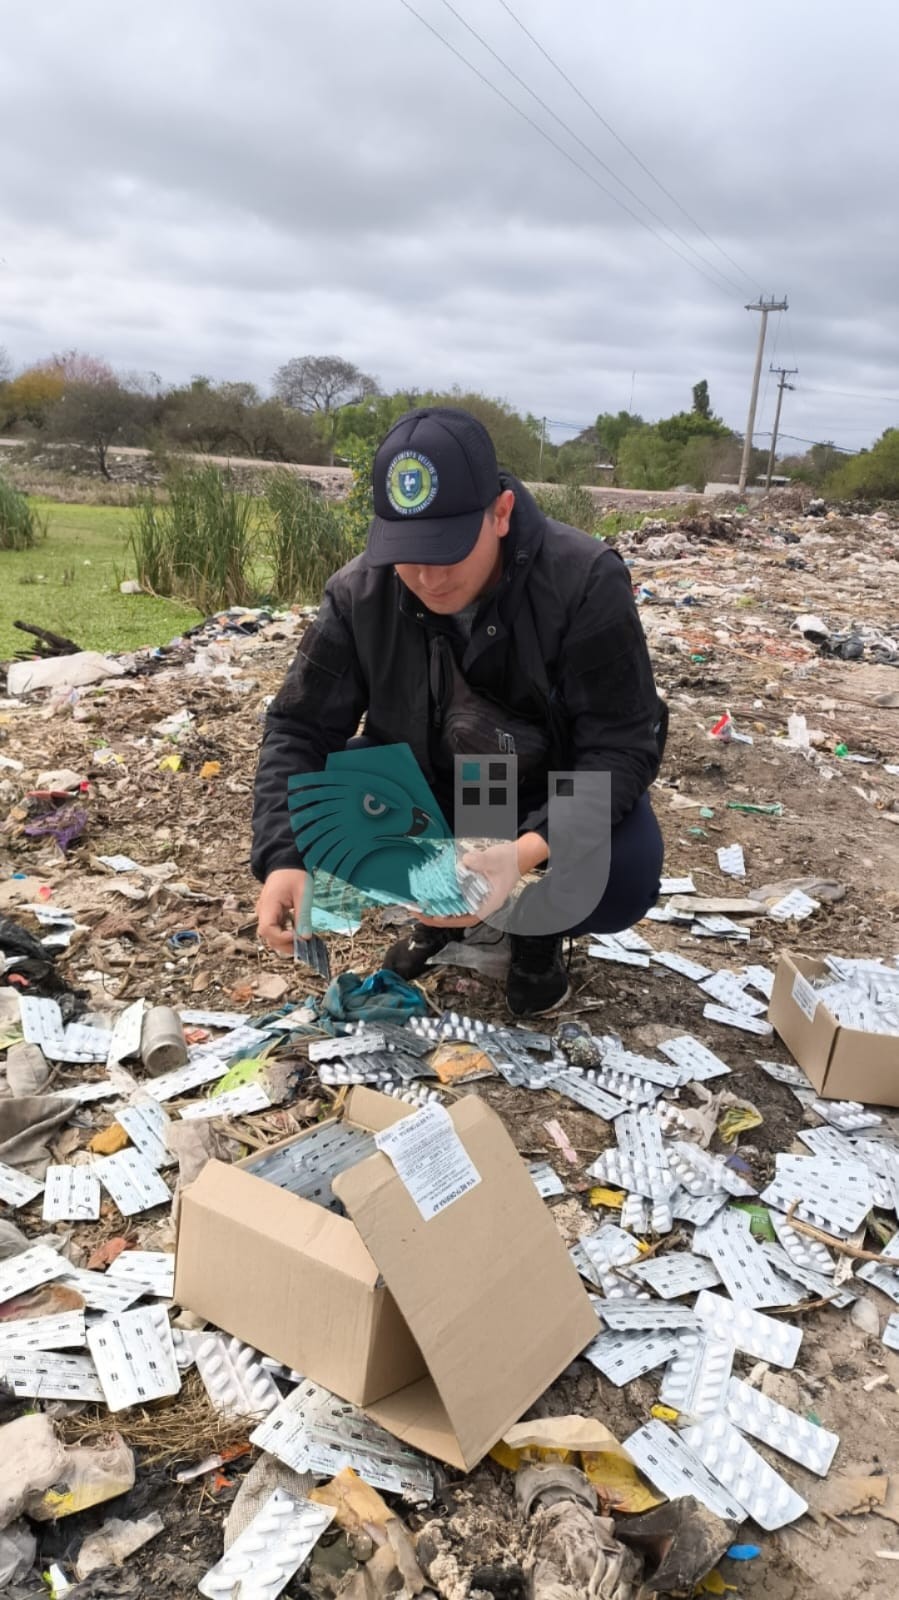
764	306
542	443
785	373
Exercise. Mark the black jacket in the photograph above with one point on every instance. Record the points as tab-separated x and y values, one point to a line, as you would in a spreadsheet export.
558	641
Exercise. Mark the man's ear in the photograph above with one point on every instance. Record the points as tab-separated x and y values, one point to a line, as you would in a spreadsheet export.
503	506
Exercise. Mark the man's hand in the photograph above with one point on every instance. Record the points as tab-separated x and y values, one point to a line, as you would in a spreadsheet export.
279	908
503	865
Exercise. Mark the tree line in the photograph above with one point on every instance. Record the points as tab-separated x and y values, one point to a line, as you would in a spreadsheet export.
324	409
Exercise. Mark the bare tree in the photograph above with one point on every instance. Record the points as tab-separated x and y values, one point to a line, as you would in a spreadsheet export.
322	383
5	364
100	415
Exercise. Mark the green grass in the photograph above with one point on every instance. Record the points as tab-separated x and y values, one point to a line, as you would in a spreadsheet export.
69	583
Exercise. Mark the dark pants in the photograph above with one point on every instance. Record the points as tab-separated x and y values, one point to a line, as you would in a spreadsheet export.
635	866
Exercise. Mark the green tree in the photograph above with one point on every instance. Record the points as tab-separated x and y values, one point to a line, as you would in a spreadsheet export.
647	460
872	474
612	427
701	403
30	397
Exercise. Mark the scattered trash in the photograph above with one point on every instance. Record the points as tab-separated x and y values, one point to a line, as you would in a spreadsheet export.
114	1543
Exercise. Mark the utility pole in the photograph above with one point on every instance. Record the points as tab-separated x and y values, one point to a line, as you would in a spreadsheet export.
764	306
542	443
785	373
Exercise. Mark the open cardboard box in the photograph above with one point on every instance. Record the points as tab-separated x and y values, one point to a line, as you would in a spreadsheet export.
445	1331
842	1063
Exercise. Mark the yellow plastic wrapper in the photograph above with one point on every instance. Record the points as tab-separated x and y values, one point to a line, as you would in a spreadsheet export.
713	1583
584	1441
612	1198
738	1119
170	763
455	1063
664	1413
356	1504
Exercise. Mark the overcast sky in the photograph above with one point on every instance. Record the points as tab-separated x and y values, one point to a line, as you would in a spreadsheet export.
214	186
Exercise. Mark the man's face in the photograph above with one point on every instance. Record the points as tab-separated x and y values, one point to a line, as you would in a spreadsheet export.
448	589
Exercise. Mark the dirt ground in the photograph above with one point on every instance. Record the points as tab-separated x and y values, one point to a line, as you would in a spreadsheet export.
719	605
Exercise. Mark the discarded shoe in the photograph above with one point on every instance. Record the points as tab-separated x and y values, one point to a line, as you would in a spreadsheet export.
538	979
408	957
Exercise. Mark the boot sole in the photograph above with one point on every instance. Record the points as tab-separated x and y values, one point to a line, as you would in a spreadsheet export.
544	1011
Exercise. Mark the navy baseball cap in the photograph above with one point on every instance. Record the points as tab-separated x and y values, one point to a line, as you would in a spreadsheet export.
434	476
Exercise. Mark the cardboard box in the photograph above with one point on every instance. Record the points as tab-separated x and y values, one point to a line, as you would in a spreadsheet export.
842	1063
445	1331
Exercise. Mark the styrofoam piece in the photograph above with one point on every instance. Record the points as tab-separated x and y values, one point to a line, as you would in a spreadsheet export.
30	1268
312	1431
62	1332
806	1443
701	1173
635	1213
794	906
38	1376
890	1335
212	1019
233	1103
675	1274
697	1208
622	1357
134	1357
768	1339
342	1049
695	1382
821	1287
761	978
884	1278
99	1291
264	1557
737	1019
763	1493
640	1316
673	1469
145	1124
728	990
804	1252
153	1270
16	1188
545	1179
675	962
785	1072
233	1376
610	951
695	1061
834	1198
588	1095
742	1265
849	1116
131	1182
126	1034
71	1194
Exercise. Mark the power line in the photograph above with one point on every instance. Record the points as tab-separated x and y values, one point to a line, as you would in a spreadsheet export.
519	111
584	146
828	444
849	394
623	143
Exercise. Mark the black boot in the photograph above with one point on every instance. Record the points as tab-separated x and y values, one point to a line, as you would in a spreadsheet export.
408	957
538	978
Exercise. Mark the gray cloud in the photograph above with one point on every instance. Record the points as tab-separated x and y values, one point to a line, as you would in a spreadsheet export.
215	187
